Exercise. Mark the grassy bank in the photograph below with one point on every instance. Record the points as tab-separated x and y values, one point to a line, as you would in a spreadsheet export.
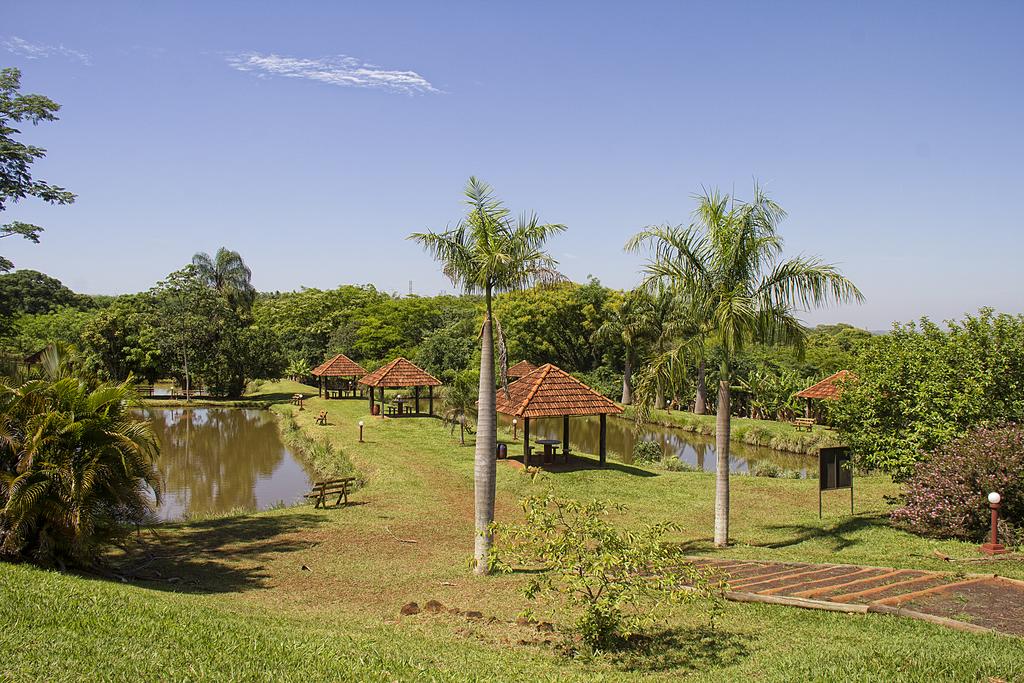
781	436
303	594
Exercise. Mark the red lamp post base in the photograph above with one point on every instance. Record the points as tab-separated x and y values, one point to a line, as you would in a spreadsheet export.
992	548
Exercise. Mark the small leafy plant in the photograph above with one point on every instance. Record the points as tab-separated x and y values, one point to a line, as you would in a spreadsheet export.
613	581
646	452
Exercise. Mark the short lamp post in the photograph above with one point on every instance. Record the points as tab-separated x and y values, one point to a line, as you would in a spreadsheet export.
515	429
993	547
360	431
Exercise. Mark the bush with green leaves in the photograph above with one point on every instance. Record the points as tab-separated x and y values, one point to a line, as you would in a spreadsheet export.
921	386
77	469
647	452
613	581
946	496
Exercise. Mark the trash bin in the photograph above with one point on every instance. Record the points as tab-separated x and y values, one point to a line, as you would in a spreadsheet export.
502	451
376	409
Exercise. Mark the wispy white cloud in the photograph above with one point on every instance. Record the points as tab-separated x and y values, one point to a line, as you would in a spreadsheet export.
340	70
24	48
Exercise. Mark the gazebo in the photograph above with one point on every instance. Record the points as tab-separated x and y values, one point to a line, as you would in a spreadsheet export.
339	366
520	369
550	391
828	389
402	373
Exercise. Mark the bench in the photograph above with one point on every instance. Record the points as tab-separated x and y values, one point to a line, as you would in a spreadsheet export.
392	410
804	423
321	419
331	487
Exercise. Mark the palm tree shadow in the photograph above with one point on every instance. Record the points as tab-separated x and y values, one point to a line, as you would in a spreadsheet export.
683	650
839	536
224	555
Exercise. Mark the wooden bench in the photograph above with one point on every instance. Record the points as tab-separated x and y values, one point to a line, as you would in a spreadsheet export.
331	487
804	423
321	419
392	410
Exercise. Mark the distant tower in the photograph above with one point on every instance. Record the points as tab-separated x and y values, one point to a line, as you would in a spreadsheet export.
410	287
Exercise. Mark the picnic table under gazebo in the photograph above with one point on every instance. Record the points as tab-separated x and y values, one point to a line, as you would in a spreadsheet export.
550	391
828	389
400	374
343	371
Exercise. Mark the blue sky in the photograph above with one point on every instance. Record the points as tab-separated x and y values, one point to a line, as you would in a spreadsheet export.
313	137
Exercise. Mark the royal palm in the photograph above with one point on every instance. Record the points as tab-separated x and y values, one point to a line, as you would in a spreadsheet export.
489	251
729	264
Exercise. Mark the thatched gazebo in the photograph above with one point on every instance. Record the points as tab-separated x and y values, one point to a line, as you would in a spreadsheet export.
550	391
341	367
520	370
828	389
401	373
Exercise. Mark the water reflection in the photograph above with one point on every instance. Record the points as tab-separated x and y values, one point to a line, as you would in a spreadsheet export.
218	459
694	449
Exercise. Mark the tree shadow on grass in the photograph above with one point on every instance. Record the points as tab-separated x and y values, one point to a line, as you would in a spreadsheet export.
578	463
224	555
683	650
839	536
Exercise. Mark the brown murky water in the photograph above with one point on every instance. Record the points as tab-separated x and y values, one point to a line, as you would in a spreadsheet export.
215	460
694	449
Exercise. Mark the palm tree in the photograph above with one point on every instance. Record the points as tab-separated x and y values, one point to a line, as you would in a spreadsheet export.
227	273
76	468
628	322
489	252
728	261
459	402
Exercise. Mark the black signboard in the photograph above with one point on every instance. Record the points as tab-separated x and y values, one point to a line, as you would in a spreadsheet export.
835	471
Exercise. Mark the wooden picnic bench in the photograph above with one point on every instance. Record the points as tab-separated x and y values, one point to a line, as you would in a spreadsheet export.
321	419
804	423
331	487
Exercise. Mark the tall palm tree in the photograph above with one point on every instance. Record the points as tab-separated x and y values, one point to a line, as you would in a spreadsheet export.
628	322
728	261
489	251
227	273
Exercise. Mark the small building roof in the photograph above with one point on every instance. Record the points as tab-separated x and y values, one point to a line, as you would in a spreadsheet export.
400	373
829	388
521	369
339	366
550	391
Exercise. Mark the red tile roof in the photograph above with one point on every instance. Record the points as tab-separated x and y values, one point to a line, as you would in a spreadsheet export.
339	366
550	391
521	369
400	373
829	388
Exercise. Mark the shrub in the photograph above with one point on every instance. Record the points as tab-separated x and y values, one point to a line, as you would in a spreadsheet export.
646	452
766	469
76	469
326	458
946	496
674	464
614	581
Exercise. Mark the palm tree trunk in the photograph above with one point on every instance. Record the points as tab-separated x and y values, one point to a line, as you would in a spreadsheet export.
700	406
627	382
485	465
722	466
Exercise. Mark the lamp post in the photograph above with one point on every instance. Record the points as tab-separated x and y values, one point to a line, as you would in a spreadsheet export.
360	431
993	547
515	429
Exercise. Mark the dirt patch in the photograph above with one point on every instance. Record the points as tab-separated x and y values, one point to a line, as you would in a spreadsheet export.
994	603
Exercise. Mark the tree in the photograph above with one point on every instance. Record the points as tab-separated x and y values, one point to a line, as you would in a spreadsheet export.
488	252
188	309
77	468
629	320
227	273
29	292
459	402
728	262
16	158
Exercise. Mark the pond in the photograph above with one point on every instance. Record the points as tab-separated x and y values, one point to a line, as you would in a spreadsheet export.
696	450
214	460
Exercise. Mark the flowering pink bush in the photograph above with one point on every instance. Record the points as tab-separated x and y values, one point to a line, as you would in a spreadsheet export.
946	496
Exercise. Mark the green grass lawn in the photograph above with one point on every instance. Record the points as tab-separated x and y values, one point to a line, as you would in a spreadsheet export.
298	594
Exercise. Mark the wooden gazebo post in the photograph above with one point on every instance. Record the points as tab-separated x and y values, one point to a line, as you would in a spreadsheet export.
565	436
430	400
416	398
526	441
603	447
